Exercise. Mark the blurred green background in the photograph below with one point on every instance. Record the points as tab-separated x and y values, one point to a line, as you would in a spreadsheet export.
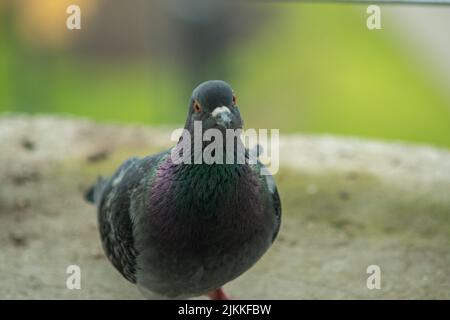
310	68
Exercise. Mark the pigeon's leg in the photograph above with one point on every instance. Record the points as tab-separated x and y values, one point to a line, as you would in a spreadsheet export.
218	294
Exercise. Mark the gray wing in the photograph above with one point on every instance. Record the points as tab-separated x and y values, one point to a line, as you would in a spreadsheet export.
115	223
273	193
276	203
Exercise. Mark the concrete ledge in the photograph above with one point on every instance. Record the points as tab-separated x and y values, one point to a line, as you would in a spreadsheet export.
347	204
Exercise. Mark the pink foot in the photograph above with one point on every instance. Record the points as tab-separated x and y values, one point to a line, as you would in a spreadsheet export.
218	294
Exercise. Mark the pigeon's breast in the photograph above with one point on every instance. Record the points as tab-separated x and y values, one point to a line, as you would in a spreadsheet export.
206	226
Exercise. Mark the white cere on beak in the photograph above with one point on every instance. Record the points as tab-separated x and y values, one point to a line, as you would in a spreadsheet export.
220	111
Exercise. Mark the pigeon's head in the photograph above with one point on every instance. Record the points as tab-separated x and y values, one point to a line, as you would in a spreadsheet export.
214	104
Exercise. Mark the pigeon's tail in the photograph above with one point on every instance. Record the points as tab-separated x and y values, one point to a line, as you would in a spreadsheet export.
94	193
89	194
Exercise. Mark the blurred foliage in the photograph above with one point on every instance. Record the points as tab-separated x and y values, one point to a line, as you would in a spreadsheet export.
311	68
318	70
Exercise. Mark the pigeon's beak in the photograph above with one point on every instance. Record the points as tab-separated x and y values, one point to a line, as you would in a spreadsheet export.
222	116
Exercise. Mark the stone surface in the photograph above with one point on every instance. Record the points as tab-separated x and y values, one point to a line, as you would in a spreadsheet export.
347	204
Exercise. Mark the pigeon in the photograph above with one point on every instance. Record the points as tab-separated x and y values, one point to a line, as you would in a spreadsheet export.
181	229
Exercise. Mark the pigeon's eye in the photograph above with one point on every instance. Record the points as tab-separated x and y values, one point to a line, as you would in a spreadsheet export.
234	100
197	107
